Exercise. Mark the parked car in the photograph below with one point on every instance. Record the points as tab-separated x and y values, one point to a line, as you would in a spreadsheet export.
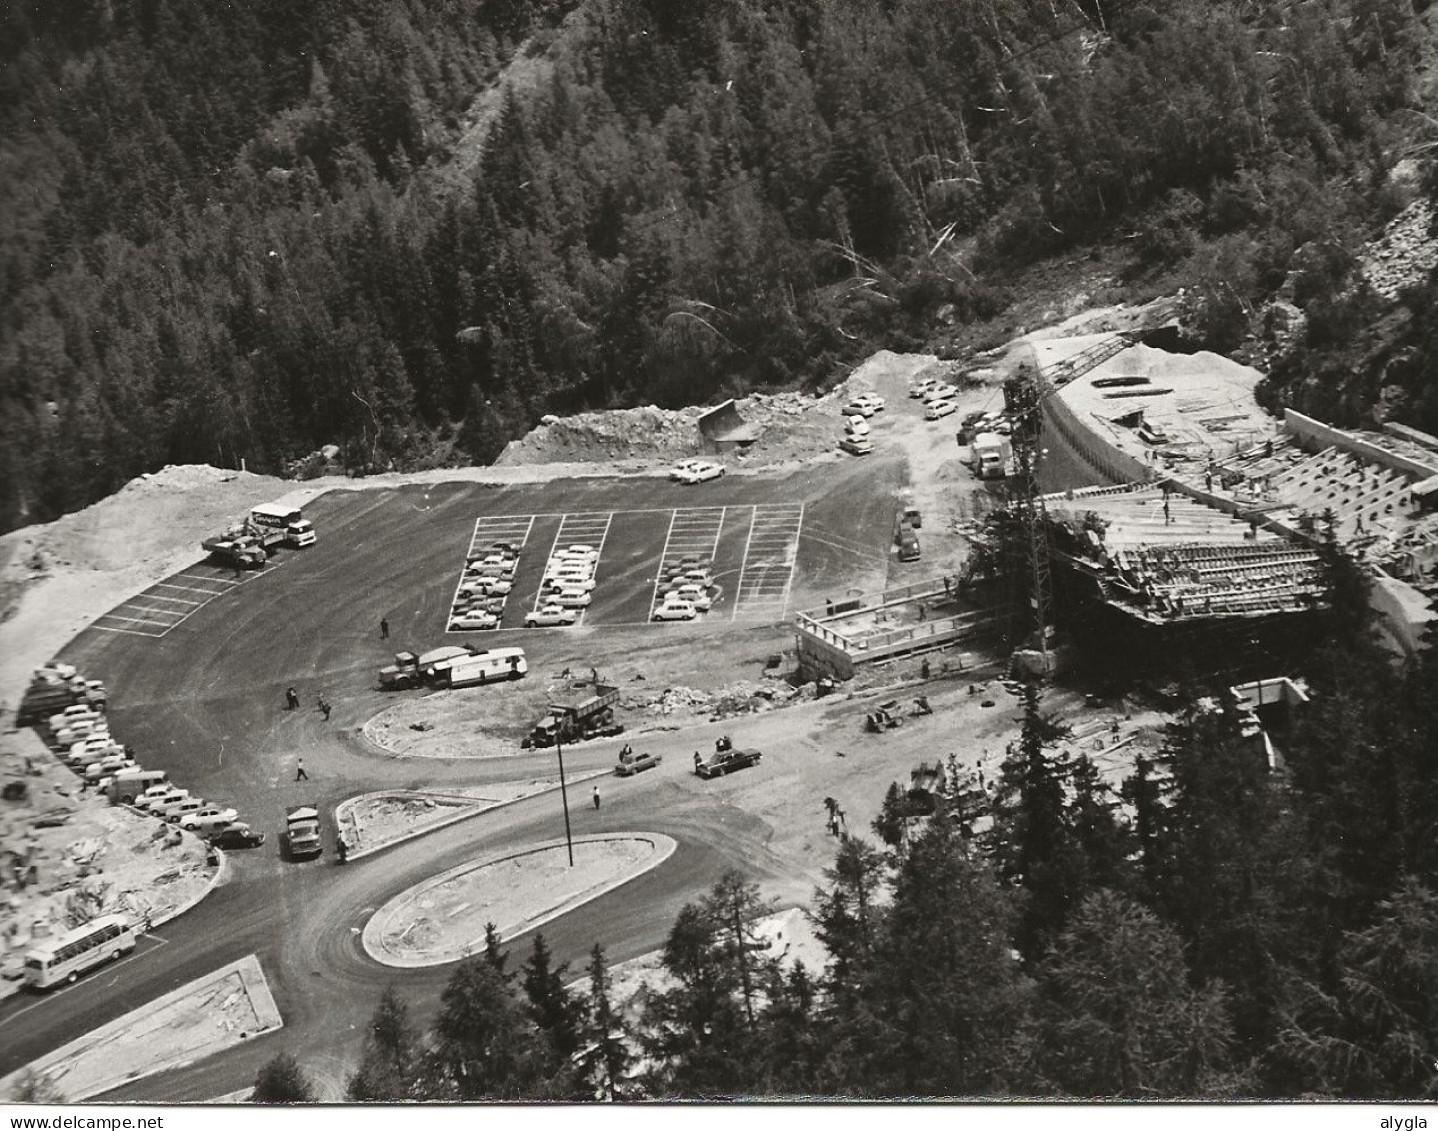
237	835
568	581
694	595
857	407
937	410
473	620
676	610
489	586
210	817
683	468
856	445
550	616
873	400
856	426
107	766
920	389
177	811
572	599
703	471
153	800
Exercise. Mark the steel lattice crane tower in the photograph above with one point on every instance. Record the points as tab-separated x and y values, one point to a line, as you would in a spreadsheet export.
1024	396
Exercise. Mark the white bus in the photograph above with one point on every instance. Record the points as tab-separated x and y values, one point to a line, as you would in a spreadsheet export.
489	666
102	939
295	528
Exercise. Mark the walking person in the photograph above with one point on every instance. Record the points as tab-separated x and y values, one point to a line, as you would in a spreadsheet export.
596	798
383	629
292	699
300	774
325	707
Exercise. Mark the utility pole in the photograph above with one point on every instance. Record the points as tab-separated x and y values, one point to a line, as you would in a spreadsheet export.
564	794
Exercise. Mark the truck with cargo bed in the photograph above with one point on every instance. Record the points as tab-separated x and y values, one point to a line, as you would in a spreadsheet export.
990	455
55	688
302	832
588	716
236	550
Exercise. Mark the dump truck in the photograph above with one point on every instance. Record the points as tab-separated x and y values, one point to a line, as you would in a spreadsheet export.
302	832
990	455
238	551
55	687
589	716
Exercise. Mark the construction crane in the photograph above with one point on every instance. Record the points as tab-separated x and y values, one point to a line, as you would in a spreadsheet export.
1024	396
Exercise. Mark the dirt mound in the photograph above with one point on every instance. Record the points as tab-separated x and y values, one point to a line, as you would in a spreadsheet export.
149	515
791	425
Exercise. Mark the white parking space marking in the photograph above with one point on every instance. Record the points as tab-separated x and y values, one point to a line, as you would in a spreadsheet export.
584	528
143	611
488	530
769	553
693	533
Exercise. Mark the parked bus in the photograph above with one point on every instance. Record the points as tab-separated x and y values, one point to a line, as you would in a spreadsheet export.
101	940
487	667
288	523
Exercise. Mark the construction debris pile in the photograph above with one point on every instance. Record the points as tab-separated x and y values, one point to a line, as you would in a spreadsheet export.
744	698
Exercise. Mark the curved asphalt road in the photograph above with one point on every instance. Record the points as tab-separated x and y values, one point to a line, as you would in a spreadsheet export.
204	703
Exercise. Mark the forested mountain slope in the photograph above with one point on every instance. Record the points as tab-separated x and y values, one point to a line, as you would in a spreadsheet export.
238	232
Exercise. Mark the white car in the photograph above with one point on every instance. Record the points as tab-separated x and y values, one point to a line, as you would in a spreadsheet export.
702	470
473	620
682	469
873	400
567	581
856	426
74	714
209	815
923	388
676	610
489	586
178	812
693	595
154	799
571	599
68	736
549	616
91	750
165	808
107	766
857	407
937	410
856	445
588	553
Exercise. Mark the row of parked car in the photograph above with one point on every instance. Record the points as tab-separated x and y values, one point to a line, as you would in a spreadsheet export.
856	413
566	589
80	736
686	588
939	397
487	582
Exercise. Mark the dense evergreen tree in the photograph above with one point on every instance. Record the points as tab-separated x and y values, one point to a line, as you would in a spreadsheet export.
389	1065
281	1080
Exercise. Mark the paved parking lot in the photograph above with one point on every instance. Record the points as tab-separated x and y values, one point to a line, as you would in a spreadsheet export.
171	602
750	549
768	570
